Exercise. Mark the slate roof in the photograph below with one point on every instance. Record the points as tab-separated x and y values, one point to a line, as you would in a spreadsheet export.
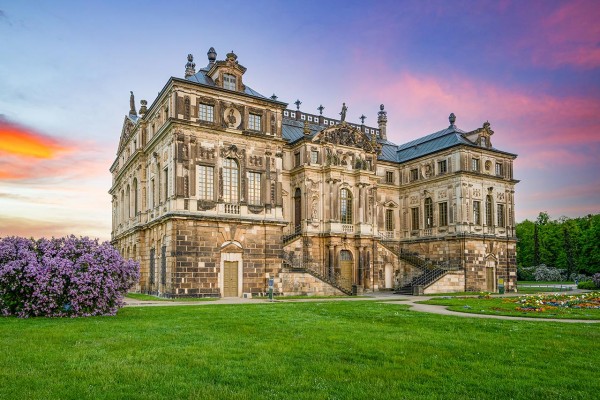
201	78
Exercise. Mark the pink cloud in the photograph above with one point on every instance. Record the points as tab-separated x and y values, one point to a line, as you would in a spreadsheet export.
20	226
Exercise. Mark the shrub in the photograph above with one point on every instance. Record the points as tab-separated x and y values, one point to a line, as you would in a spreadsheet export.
596	280
62	277
588	285
575	277
544	273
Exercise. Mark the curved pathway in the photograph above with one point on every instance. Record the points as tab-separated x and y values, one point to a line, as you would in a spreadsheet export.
378	296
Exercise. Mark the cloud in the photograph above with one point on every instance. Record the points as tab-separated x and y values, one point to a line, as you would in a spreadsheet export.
19	140
19	226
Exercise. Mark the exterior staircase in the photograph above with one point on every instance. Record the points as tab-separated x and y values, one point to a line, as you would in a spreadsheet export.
428	272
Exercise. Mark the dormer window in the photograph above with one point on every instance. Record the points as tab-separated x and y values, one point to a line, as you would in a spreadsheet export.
229	82
483	141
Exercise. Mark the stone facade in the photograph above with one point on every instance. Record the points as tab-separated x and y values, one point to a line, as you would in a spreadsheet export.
218	189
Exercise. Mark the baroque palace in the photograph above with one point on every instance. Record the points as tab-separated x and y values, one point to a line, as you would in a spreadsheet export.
220	191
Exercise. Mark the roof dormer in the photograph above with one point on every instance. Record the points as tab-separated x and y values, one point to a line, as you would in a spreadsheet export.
482	136
227	73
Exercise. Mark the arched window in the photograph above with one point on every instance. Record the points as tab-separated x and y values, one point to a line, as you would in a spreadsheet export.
428	213
231	175
488	210
345	206
135	197
127	202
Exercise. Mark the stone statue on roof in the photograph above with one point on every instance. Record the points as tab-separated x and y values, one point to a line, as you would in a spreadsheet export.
343	113
132	104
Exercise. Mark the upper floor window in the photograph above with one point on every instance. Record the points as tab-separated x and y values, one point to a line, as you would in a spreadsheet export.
345	206
483	141
428	213
499	169
254	122
389	220
442	167
475	164
488	210
314	157
254	188
500	215
206	113
477	212
297	159
166	184
205	182
415	218
389	177
443	213
230	181
229	82
414	174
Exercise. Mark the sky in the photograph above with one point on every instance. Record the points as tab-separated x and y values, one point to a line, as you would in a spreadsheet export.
530	68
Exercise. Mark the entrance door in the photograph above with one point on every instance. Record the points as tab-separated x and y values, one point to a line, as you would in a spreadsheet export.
389	284
489	279
346	267
230	279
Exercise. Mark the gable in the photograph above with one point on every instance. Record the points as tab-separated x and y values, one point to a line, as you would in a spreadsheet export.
126	132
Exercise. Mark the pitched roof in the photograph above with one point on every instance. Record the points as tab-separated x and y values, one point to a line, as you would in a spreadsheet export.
201	78
432	143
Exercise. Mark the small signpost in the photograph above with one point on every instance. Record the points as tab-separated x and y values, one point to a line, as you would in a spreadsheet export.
501	285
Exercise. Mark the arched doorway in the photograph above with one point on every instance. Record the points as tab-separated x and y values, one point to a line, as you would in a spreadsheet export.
297	210
346	268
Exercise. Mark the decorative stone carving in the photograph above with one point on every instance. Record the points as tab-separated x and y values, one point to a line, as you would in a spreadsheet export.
204	205
500	196
442	194
414	199
477	193
346	135
255	209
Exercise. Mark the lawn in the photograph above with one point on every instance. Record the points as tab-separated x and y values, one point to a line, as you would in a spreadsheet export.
509	306
317	350
147	297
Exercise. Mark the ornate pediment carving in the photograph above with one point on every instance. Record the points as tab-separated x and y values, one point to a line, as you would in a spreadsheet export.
345	135
126	131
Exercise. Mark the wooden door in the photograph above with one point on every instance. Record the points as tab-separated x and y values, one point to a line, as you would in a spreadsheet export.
489	279
389	274
346	268
230	279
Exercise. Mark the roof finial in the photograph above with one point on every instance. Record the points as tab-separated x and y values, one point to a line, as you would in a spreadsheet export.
143	108
306	128
297	103
190	67
343	113
212	55
320	108
132	104
452	119
274	97
362	119
382	122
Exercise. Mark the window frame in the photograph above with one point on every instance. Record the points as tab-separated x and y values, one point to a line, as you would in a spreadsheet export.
205	178
254	122
389	220
389	177
254	188
443	213
206	112
229	82
500	219
346	206
428	208
489	210
477	212
475	165
414	218
231	181
414	174
442	167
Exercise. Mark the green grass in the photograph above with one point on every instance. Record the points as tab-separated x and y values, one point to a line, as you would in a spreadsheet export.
147	297
462	294
532	289
316	350
306	297
507	306
558	283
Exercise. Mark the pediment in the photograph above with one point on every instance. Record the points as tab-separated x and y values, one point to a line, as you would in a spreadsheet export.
344	134
390	204
126	132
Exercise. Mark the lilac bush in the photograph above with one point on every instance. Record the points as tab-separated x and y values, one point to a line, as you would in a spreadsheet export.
65	277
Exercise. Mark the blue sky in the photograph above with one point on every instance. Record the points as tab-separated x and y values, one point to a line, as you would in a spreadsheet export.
531	68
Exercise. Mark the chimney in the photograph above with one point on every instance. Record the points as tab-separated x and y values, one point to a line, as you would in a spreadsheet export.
382	122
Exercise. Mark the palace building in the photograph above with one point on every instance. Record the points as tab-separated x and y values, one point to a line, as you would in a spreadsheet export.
219	191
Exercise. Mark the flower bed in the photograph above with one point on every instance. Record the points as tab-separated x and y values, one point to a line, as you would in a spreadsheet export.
541	303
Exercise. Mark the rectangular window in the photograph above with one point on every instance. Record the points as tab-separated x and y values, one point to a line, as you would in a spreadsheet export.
254	188
205	182
500	212
475	164
442	167
499	169
477	212
389	177
314	157
443	214
415	218
414	174
297	159
389	220
254	122
206	113
229	82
